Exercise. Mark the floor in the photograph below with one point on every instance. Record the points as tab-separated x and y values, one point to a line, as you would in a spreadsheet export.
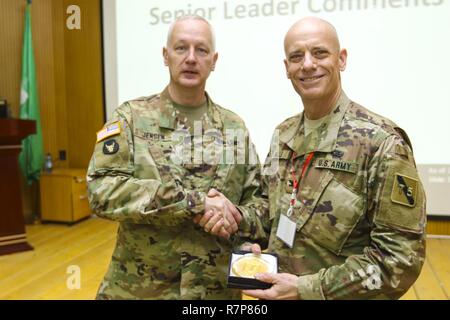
62	253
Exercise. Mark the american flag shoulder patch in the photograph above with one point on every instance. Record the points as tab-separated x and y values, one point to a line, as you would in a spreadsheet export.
109	131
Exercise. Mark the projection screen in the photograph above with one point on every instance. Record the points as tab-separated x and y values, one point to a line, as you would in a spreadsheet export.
398	65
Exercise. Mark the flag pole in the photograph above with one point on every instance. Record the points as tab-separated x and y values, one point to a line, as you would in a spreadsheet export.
31	158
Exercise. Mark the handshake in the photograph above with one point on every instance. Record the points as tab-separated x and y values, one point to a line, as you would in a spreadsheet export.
221	217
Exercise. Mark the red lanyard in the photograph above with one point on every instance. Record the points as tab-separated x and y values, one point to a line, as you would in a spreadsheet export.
296	182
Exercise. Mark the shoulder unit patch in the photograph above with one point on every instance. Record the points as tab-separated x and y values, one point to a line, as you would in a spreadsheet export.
111	147
404	190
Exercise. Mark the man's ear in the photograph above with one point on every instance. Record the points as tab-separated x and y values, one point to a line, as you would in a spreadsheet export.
216	56
165	56
286	65
343	59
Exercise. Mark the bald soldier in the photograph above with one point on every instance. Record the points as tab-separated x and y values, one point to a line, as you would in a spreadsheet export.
167	203
347	208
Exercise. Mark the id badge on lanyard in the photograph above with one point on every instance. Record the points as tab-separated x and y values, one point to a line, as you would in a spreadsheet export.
286	227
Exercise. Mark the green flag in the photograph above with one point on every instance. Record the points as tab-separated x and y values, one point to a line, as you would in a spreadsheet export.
31	158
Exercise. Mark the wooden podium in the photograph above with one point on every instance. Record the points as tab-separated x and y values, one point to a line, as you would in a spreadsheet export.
13	237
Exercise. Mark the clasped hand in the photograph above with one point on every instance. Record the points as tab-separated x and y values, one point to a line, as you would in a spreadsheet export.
221	217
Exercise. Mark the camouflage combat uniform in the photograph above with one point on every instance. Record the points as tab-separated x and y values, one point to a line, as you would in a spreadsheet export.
135	178
360	210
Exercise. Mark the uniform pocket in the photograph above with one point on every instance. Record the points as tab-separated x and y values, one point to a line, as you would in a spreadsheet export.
176	159
335	215
402	203
161	153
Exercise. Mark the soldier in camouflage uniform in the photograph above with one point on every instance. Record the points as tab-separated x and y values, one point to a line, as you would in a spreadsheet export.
136	177
354	229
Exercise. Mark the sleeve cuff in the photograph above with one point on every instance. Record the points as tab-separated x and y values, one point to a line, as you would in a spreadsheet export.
309	287
195	202
244	226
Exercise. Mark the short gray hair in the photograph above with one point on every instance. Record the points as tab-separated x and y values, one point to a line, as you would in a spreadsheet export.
192	17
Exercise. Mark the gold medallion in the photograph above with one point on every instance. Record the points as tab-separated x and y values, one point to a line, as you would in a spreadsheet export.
249	265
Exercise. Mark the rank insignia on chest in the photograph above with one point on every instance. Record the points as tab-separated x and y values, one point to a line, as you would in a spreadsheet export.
111	147
109	131
404	190
351	167
337	154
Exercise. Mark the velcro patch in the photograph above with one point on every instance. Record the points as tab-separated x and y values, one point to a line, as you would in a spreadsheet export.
340	165
404	190
402	151
109	131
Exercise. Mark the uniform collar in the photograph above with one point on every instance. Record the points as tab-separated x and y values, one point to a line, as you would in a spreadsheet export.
321	140
167	119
